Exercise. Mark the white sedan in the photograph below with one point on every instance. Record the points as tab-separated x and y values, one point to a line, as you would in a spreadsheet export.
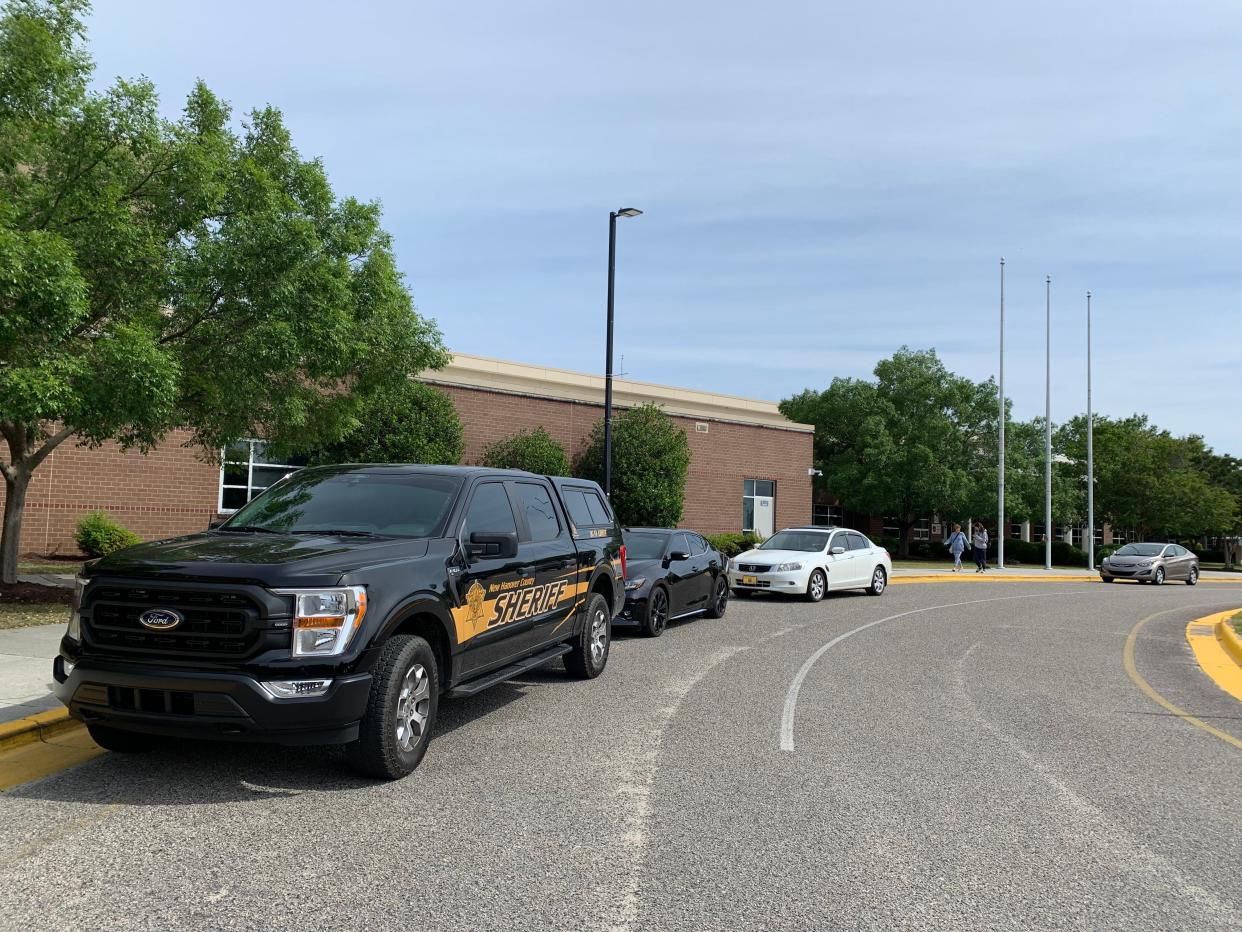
811	561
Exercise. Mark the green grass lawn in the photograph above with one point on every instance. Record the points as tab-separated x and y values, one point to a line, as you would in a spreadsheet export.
54	567
1236	621
23	616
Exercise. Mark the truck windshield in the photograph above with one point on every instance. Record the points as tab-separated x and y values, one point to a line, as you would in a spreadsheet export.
350	503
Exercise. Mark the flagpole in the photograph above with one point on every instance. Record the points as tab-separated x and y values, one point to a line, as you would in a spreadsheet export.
1090	453
1000	462
1048	422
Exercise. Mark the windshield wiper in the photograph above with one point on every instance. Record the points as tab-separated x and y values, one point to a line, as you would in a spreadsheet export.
254	528
336	532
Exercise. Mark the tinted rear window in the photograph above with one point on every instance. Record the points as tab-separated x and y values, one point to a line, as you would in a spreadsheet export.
575	501
599	511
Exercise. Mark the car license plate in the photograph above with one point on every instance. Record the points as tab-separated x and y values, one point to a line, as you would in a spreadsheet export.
749	580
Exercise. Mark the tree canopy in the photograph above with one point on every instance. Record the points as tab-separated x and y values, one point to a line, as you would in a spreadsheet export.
650	460
532	450
157	274
919	440
410	422
912	442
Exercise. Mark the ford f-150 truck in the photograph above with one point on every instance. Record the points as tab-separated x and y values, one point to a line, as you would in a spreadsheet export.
340	606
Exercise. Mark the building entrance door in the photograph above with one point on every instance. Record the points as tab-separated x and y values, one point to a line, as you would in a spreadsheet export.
765	515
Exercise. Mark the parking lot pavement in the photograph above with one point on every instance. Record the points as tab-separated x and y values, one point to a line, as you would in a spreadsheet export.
26	670
962	757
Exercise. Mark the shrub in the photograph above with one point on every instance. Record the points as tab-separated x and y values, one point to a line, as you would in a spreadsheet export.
732	544
98	535
650	459
532	450
1106	551
1064	554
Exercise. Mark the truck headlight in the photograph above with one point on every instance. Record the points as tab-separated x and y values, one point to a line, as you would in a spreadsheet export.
324	620
788	567
74	631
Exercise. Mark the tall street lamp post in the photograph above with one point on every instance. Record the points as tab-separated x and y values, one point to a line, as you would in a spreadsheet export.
1090	453
612	275
1048	422
1000	464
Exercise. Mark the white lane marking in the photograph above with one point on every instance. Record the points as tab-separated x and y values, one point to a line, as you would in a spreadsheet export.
791	697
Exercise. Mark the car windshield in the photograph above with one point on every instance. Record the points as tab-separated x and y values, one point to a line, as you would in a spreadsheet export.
1140	550
350	503
808	541
644	546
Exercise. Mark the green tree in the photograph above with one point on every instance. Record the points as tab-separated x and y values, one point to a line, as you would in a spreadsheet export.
158	274
912	442
650	459
532	450
409	422
1147	480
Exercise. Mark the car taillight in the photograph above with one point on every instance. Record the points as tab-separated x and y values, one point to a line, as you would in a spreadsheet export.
624	574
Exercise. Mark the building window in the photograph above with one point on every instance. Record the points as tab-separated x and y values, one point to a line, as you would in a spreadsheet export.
921	529
892	526
827	515
247	470
751	490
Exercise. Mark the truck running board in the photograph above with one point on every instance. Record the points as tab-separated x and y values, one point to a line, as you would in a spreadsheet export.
472	687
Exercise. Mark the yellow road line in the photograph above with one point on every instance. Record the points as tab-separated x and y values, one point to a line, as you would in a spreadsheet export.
1209	639
47	755
1010	577
1127	659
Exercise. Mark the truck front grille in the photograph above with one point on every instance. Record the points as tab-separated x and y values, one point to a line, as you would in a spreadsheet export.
216	623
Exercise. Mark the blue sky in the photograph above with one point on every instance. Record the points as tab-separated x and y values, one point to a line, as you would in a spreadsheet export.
822	182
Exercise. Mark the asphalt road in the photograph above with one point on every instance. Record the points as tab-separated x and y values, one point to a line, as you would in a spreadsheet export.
982	761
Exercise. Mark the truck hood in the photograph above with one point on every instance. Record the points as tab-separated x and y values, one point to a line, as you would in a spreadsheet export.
274	559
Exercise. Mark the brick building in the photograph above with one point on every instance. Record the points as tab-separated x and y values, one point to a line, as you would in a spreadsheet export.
747	461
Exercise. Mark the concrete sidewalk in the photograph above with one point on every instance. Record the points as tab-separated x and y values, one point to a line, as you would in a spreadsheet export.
26	670
945	569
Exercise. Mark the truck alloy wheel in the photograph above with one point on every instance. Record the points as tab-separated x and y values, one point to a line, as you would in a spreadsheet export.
401	710
589	653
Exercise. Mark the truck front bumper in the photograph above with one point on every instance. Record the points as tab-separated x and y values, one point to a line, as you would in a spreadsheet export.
217	706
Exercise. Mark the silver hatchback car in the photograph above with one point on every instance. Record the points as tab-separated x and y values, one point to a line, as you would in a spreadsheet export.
1151	563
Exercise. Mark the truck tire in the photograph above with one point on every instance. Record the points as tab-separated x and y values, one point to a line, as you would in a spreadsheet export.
590	647
720	598
401	710
655	619
123	742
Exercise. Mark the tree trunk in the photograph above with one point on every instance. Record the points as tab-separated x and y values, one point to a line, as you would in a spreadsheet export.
15	487
903	546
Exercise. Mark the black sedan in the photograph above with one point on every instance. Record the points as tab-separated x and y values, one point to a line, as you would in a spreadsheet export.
671	574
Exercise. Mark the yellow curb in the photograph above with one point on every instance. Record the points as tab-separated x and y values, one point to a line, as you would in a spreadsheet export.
34	728
1229	639
1218	650
45	755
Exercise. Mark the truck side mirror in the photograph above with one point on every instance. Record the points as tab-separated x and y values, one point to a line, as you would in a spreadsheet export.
499	544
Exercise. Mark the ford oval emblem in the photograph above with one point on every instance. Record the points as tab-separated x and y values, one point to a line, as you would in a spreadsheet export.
160	619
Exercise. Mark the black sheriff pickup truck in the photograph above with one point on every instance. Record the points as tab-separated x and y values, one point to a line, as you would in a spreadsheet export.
340	606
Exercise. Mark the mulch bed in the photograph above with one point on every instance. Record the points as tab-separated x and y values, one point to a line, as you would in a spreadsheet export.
24	593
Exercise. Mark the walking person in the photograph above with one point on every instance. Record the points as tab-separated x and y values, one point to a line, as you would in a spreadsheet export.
979	544
957	545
